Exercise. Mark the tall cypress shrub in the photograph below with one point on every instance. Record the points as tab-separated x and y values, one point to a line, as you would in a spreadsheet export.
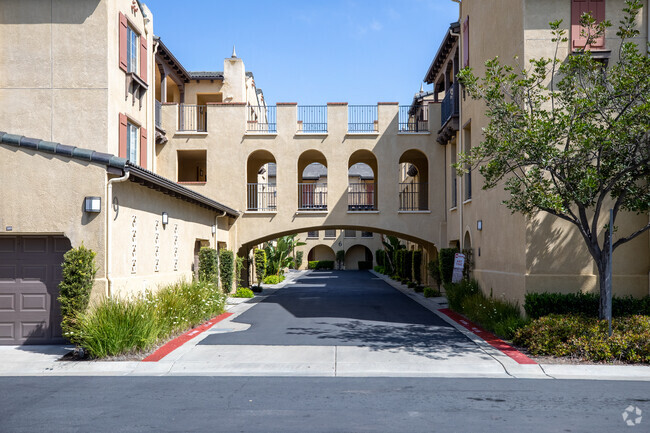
226	269
208	265
417	266
260	264
408	265
446	262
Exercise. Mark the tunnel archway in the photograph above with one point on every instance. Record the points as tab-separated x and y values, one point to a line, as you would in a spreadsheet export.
261	186
321	252
355	255
413	181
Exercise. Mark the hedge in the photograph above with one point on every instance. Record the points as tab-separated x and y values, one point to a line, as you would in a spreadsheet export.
446	261
543	304
226	269
274	279
208	265
408	264
321	264
260	264
417	266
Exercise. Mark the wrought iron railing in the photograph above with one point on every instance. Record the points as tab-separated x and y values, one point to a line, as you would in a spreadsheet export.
312	118
262	197
312	196
361	196
362	118
262	119
413	196
192	118
414	118
449	106
158	114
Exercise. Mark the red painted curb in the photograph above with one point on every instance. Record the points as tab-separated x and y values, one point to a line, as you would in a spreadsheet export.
489	337
177	342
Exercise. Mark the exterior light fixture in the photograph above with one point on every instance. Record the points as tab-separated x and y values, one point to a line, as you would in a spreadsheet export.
214	229
479	225
93	204
165	218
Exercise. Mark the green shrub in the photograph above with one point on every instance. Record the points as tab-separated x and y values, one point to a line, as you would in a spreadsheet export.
298	259
419	288
411	284
395	277
226	269
543	304
457	292
340	258
417	266
469	262
364	265
291	263
408	264
273	279
259	256
587	338
400	263
116	326
430	292
239	270
321	264
380	256
434	270
208	264
78	274
446	262
243	292
498	316
380	269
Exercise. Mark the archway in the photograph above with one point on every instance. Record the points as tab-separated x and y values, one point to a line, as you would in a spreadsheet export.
312	181
321	253
413	181
467	242
358	257
261	188
362	181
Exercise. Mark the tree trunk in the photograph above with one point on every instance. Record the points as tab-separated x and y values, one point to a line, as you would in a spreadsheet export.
605	286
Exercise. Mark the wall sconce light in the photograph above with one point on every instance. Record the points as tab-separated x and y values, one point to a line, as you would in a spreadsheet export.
165	218
214	229
93	204
479	225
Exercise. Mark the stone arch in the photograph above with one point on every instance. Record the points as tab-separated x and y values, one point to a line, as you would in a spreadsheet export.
413	181
355	254
261	186
321	252
363	179
312	180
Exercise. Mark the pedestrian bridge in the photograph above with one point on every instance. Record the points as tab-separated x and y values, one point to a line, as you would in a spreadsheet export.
291	169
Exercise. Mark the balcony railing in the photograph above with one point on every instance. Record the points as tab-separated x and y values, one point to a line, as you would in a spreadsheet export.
192	118
449	106
262	197
158	114
312	196
414	118
413	196
361	197
312	118
362	118
262	119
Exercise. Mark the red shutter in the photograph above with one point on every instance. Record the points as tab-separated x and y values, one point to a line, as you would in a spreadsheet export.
466	43
143	147
579	7
122	137
143	58
597	8
123	42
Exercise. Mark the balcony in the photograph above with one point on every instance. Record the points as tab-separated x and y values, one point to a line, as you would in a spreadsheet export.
362	119
414	118
262	197
449	114
413	196
262	119
312	119
192	118
361	197
312	196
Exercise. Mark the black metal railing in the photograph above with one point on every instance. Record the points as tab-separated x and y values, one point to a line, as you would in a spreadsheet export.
192	118
449	106
262	197
312	118
362	118
262	119
413	196
414	118
312	196
361	197
158	114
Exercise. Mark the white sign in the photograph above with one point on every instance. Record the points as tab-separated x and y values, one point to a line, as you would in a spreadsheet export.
459	264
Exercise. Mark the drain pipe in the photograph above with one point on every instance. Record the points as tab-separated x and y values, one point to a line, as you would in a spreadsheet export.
216	227
109	203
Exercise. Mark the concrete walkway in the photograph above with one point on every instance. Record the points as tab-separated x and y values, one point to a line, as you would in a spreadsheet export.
362	328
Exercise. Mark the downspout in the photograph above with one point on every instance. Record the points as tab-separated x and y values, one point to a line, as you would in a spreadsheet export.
109	237
459	144
216	227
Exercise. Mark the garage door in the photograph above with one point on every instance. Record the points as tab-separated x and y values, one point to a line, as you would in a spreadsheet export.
30	272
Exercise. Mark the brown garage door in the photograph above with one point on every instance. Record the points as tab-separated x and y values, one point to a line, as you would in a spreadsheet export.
30	272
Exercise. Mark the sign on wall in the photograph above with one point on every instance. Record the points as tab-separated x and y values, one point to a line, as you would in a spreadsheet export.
459	264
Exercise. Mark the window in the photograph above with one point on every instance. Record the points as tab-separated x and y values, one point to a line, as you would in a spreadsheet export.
132	50
132	142
579	7
468	176
330	233
313	234
350	233
366	234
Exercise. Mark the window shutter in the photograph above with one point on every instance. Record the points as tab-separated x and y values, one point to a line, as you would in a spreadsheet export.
122	138
466	43
579	7
143	58
597	8
123	42
143	147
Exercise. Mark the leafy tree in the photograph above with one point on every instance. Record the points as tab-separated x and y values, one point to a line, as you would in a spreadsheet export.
226	269
391	246
260	264
569	137
278	253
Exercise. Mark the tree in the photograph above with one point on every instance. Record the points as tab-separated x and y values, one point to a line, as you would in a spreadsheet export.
260	264
391	248
278	253
569	137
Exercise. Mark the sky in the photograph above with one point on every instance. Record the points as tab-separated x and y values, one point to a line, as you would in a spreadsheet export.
311	51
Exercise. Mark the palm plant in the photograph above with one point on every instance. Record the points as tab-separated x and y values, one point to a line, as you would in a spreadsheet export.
278	253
